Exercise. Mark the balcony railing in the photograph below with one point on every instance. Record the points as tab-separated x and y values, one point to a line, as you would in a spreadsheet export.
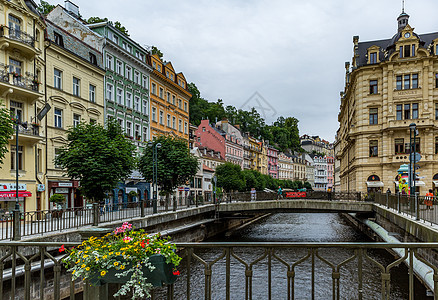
30	130
17	35
26	82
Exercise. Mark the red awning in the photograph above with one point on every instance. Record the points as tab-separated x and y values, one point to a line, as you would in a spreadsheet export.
13	194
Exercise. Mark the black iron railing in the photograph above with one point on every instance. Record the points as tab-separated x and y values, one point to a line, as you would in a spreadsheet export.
35	271
18	35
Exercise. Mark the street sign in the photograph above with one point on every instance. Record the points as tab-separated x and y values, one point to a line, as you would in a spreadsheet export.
186	189
43	112
417	156
180	189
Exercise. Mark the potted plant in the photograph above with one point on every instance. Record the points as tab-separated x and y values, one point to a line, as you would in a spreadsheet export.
130	257
57	200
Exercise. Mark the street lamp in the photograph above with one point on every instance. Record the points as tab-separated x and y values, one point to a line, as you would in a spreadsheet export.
412	153
154	175
214	189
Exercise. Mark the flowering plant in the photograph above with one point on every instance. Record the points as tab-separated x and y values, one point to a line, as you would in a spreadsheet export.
124	251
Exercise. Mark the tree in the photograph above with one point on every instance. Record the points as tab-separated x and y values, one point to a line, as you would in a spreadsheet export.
98	156
121	28
230	177
45	7
176	165
157	51
6	131
94	20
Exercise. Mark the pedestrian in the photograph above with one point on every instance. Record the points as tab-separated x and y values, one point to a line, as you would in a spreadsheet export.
429	200
329	194
388	191
253	194
279	193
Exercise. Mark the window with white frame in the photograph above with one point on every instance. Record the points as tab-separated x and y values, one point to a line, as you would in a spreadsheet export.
128	72
119	67
174	122
173	99
185	127
119	96
57	79
185	106
154	114
168	97
16	109
58	117
116	39
128	128
136	77
109	61
137	103
129	48
161	93
129	99
145	82
76	120
180	125
145	134
92	94
154	89
121	123
145	107
168	120
161	117
179	103
109	91
137	134
76	86
124	45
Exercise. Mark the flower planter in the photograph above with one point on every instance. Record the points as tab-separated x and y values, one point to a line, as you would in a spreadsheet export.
162	274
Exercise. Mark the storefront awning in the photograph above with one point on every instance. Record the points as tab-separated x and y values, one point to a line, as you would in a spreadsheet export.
435	182
13	194
419	183
374	184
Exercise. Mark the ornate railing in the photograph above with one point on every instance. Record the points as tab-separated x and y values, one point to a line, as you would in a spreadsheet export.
35	271
17	35
26	82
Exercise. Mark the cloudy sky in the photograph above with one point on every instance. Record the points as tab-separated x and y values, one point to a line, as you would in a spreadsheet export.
286	56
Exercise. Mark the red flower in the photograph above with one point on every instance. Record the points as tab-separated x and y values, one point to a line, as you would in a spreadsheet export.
175	272
142	244
62	249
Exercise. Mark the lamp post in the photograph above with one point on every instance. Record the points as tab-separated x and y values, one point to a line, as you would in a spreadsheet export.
412	155
154	175
214	189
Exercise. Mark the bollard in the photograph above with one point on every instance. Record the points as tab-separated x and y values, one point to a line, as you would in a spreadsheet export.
95	214
141	207
16	224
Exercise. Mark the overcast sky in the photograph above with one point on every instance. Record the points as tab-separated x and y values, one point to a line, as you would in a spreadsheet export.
290	52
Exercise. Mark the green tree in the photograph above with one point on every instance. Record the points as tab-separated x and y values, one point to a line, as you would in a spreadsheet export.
98	156
307	185
176	165
94	20
45	7
157	51
121	28
6	131
230	177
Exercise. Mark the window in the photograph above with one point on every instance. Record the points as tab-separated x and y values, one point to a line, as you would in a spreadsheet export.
159	68
436	79
119	96
145	107
124	45
93	58
373	116
161	93
436	145
174	122
399	82
92	94
119	67
154	65
407	111
399	112
167	74
399	146
417	145
76	87
137	132
129	99
93	121
109	91
145	134
58	118
436	50
128	72
373	86
136	77
116	39
109	61
13	157
129	48
58	39
57	79
14	26
145	82
180	125
179	103
137	103
407	82
16	109
414	110
407	51
161	117
185	127
154	88
185	106
120	123
128	128
373	57
154	114
168	120
413	50
39	160
173	99
76	120
373	148
168	97
414	81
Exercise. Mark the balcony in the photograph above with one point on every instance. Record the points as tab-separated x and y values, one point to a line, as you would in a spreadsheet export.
31	134
24	86
17	39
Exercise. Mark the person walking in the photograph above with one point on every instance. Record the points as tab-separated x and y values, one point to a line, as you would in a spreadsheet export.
429	200
279	193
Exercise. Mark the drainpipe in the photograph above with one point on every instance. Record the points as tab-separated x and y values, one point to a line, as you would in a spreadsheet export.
45	119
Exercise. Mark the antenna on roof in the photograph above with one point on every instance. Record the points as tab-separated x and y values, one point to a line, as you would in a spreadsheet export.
403	6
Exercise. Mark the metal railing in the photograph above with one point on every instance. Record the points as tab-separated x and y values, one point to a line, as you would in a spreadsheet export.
26	82
35	271
18	35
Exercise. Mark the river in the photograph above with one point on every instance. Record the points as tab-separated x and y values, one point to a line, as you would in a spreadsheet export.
297	227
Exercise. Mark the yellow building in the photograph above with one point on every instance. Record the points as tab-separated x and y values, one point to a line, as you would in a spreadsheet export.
22	91
75	80
263	158
392	83
254	154
169	100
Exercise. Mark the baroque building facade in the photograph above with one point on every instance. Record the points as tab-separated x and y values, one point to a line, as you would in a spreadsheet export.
390	84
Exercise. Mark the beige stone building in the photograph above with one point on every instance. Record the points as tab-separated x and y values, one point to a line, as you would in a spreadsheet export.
391	84
22	92
286	167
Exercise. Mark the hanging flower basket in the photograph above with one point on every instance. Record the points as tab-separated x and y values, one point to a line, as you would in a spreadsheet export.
130	257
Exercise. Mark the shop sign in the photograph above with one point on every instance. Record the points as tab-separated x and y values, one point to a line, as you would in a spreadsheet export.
41	187
130	189
12	187
65	184
61	190
180	189
186	189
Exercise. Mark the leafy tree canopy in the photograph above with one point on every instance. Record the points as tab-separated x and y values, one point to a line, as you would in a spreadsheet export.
117	24
6	131
157	51
121	28
45	7
230	177
176	165
97	156
94	20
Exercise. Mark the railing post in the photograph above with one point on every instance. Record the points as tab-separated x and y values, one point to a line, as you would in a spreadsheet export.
175	203
387	200
16	225
142	207
95	292
417	207
95	214
398	202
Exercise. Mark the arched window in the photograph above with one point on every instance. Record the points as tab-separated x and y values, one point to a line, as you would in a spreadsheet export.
373	178
14	26
435	177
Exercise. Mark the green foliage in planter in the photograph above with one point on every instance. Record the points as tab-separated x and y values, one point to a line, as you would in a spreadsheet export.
57	198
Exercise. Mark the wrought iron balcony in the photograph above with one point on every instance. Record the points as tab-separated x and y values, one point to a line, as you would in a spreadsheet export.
17	35
27	83
15	38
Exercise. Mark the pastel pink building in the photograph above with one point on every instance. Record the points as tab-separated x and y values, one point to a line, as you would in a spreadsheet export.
330	174
208	136
272	161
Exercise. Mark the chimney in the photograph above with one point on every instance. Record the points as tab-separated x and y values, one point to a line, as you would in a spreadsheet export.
72	8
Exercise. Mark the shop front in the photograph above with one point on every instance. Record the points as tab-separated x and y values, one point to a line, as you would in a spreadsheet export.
374	184
69	189
8	196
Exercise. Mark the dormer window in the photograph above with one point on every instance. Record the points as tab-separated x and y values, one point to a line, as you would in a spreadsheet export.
373	57
407	52
58	39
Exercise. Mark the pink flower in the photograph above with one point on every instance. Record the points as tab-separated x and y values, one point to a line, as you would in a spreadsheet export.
127	239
